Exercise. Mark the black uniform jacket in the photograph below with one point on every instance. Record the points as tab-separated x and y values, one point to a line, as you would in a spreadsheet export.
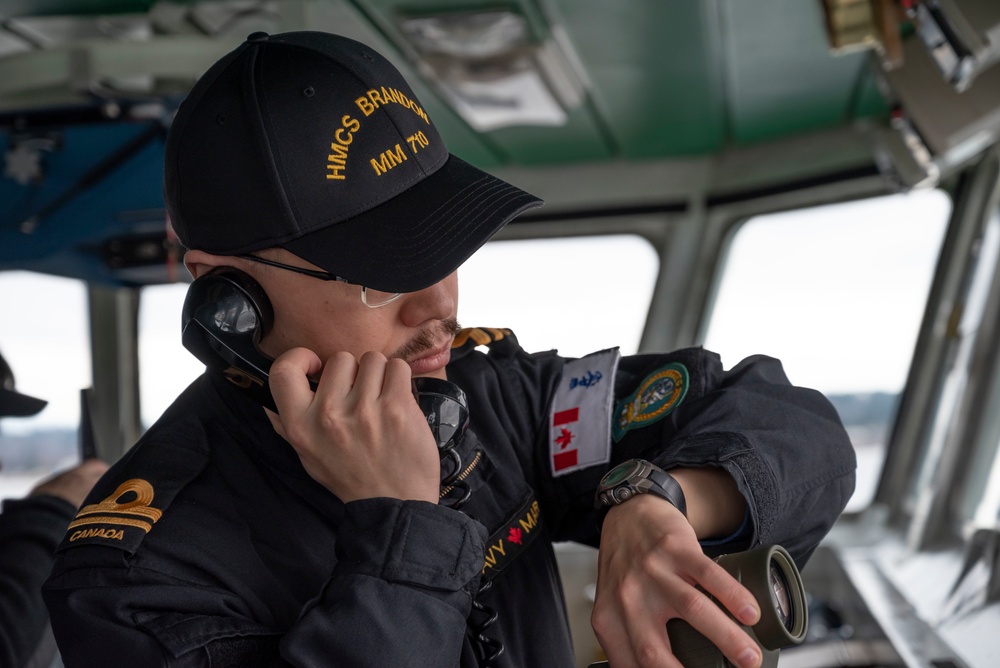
30	529
208	544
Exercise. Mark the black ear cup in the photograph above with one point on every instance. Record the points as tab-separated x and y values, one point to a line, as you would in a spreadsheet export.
225	314
231	300
446	408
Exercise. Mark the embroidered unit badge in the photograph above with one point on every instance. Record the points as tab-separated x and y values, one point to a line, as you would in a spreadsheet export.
657	395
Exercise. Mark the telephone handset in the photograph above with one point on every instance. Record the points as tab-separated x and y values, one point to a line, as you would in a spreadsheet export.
225	315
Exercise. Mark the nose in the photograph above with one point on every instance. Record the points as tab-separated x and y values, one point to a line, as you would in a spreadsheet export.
437	302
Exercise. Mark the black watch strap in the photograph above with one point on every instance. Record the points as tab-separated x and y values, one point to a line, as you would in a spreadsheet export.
667	487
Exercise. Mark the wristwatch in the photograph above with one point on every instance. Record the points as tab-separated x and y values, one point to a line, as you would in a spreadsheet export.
637	476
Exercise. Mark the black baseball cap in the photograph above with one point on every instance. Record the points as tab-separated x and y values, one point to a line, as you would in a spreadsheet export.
12	403
314	142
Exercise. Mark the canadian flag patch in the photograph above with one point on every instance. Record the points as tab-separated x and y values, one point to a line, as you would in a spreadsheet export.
580	421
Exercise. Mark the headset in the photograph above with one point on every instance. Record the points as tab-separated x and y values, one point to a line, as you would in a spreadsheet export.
226	313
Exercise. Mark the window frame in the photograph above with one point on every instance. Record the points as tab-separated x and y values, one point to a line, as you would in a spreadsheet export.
931	442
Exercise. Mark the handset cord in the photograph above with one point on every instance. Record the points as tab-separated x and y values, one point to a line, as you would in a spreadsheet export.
490	648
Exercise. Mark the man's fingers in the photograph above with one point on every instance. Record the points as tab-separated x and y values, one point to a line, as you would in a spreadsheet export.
339	375
694	606
614	638
371	376
631	626
698	610
736	598
649	643
289	379
398	374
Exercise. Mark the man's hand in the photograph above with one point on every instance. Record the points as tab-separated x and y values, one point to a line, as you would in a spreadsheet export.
361	435
649	565
73	485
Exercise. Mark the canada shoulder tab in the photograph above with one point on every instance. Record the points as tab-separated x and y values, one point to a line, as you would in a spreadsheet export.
132	499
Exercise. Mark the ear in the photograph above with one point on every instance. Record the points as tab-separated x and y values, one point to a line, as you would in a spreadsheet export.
198	262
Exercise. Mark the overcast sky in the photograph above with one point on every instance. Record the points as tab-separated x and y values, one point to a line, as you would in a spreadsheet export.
838	295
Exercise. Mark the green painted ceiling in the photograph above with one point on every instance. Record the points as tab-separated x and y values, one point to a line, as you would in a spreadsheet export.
675	101
666	78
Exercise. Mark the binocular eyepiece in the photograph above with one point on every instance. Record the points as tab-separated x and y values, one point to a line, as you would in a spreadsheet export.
772	577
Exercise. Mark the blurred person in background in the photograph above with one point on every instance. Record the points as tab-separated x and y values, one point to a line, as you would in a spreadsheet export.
30	529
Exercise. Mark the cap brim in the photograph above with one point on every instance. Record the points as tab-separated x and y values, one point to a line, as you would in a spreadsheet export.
420	236
15	404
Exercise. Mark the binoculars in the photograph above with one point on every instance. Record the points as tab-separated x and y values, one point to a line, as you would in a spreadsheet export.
771	576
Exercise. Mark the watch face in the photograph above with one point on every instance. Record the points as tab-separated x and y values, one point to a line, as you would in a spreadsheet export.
618	474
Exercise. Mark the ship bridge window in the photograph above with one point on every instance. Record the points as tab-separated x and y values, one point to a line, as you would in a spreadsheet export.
577	295
45	340
165	366
838	294
980	495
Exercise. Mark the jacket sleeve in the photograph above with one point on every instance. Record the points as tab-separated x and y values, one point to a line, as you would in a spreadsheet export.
402	585
406	576
784	446
30	529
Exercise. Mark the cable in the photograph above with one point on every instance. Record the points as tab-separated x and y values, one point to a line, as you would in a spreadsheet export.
490	649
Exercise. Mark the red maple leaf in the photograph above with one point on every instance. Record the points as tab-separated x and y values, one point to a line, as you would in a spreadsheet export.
515	535
564	438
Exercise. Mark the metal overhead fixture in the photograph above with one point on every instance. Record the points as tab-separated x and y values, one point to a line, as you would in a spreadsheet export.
962	36
491	69
60	61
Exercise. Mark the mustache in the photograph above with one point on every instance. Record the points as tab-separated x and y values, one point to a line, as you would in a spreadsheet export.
428	338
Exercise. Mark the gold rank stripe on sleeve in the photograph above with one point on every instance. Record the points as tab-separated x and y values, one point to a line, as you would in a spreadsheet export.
129	505
480	336
501	342
102	519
